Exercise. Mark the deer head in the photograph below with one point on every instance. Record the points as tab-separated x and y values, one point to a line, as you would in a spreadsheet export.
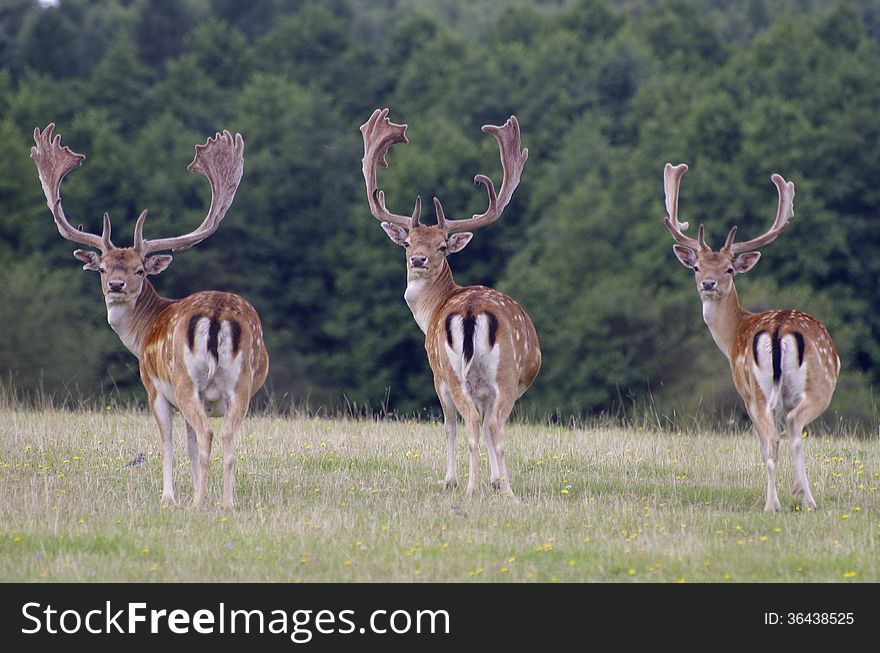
428	246
714	271
123	269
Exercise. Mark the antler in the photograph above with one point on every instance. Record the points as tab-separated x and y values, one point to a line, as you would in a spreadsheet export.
221	160
512	162
53	163
784	213
671	181
379	135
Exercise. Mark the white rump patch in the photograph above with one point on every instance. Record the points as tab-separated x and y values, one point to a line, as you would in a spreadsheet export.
214	378
794	375
454	352
763	370
478	375
200	364
789	392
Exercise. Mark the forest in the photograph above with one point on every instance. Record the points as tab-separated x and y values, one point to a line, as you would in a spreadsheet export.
605	92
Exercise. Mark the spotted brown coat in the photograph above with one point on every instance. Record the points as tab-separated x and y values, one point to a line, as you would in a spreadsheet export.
482	347
783	362
203	354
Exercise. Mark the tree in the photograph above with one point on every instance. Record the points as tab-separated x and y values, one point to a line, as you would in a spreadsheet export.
161	28
118	84
55	341
13	15
606	93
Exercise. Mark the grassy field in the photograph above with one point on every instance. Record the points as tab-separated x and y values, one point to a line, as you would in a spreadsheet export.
359	500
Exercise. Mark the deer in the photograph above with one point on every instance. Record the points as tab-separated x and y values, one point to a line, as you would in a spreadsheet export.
784	363
482	347
203	354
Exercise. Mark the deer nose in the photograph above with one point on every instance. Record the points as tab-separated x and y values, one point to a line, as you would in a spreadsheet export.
709	284
418	261
115	286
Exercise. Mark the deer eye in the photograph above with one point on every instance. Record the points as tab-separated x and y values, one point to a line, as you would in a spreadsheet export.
140	273
443	249
406	244
696	269
102	270
729	270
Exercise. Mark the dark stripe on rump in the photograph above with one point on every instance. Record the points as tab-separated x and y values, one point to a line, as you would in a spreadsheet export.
235	327
493	327
449	328
777	357
470	324
755	347
800	345
213	333
191	331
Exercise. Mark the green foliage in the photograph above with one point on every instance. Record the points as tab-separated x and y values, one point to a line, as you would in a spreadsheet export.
53	340
219	50
160	28
13	15
606	93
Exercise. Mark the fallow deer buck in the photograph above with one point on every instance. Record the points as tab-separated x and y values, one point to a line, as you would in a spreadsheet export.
481	345
203	354
783	362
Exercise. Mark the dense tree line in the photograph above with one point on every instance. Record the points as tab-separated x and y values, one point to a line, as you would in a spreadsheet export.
605	92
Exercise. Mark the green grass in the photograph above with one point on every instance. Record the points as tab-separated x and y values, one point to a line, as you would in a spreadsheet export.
348	500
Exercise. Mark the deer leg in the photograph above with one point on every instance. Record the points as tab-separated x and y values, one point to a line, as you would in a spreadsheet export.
164	414
489	439
236	409
450	425
497	421
194	414
795	422
192	450
204	438
762	419
471	415
472	420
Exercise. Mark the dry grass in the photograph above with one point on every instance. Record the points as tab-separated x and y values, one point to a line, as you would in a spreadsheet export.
346	500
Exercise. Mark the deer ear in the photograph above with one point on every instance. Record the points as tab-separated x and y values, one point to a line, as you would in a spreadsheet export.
155	264
745	261
91	259
686	255
395	233
457	242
